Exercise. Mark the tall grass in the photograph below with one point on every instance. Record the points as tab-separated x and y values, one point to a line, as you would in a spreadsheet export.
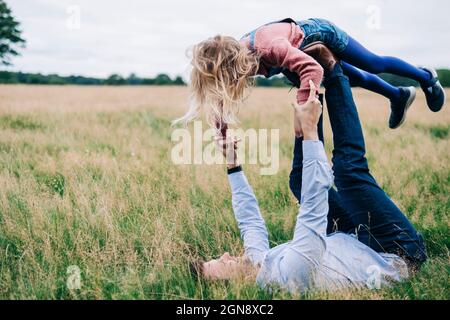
86	180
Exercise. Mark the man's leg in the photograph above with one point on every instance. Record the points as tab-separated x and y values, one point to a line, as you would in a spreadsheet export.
338	218
381	225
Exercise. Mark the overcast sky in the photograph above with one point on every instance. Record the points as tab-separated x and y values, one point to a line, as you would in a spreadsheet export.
100	37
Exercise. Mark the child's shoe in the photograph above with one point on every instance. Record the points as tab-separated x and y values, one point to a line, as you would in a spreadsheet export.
434	92
400	107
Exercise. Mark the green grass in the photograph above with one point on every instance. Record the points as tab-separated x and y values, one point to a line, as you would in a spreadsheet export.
97	190
20	123
436	131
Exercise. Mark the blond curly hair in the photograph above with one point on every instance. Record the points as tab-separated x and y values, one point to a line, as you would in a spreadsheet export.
222	70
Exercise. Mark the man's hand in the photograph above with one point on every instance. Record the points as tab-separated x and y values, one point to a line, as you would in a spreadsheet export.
228	147
308	114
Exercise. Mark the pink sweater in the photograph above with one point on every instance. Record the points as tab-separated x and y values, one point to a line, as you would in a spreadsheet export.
278	45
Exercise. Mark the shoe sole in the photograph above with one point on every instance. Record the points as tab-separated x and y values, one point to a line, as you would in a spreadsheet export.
411	98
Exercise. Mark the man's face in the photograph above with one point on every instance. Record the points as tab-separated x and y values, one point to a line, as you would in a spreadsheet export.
225	267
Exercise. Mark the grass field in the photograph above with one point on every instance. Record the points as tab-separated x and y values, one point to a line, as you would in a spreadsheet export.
86	179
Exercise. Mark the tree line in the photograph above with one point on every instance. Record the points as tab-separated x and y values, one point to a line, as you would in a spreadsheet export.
8	77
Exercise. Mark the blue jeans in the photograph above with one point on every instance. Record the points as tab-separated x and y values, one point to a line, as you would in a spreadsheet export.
324	31
360	205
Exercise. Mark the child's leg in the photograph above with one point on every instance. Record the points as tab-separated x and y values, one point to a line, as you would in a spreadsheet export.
370	82
358	56
401	97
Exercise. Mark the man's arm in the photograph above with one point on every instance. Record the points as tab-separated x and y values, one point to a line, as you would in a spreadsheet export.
250	222
245	206
305	252
316	181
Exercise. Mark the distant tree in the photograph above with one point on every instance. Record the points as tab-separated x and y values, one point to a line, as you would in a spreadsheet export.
162	79
133	79
54	79
398	81
276	81
179	81
148	81
10	35
8	77
115	79
444	77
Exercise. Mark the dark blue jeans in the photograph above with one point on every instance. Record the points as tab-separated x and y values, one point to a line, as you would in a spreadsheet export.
359	205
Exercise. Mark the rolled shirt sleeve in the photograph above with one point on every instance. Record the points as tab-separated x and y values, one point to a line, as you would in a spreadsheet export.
305	252
250	222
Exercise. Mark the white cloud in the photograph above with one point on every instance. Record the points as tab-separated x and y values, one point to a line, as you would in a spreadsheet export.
149	37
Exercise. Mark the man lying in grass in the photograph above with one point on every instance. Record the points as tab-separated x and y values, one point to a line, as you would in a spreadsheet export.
313	259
